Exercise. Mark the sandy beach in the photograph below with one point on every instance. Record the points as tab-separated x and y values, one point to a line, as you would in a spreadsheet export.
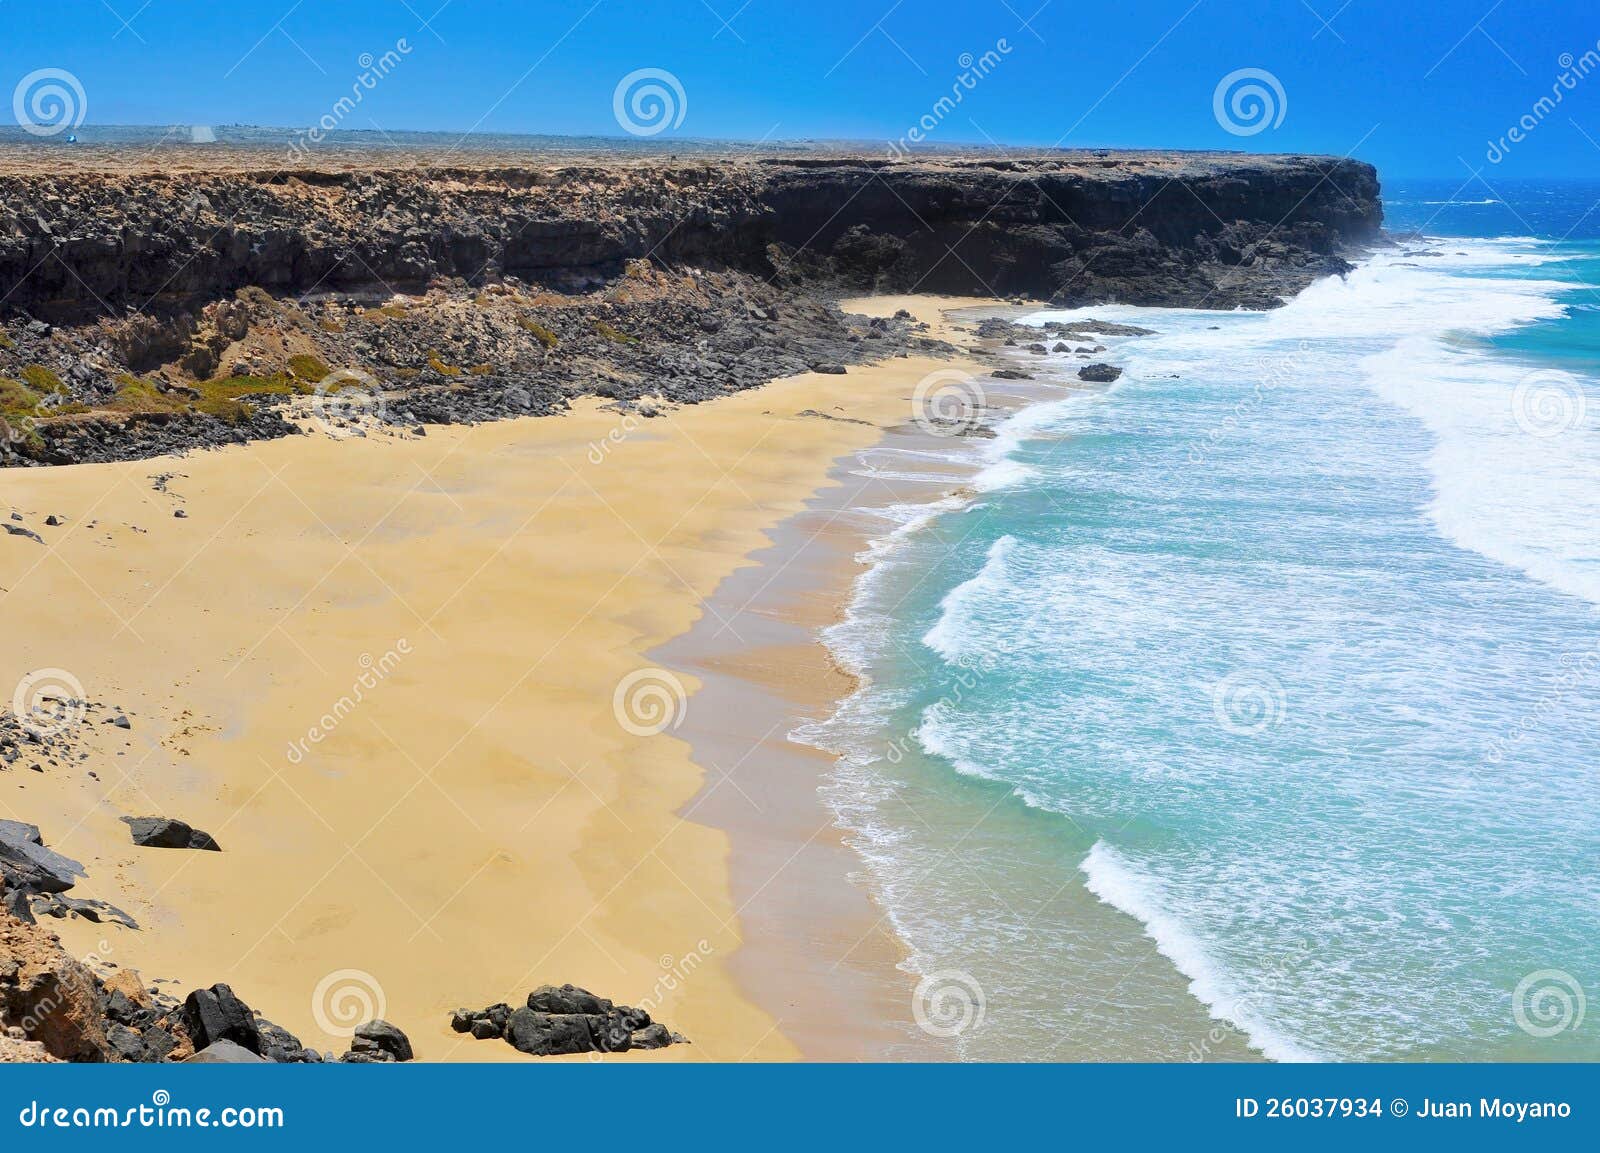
482	820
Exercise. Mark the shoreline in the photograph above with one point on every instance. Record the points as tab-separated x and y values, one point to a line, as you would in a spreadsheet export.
444	854
821	952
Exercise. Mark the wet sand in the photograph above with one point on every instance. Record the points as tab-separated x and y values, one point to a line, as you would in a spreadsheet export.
820	952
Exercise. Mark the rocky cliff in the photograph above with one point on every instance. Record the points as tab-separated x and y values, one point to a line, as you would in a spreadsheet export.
1204	230
146	307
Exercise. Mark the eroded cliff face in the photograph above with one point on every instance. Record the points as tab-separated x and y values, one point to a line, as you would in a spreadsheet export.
1203	230
146	311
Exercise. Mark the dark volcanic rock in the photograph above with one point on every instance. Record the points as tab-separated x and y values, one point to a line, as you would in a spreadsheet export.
566	999
555	1034
215	1014
1099	373
26	866
564	1020
384	1037
168	833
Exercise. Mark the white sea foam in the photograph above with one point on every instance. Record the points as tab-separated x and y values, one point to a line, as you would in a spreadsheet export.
950	634
1118	883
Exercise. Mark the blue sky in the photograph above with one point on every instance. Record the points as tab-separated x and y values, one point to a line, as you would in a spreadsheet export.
1419	88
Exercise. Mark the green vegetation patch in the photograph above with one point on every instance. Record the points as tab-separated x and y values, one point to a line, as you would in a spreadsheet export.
611	333
17	399
234	387
540	333
231	411
42	379
308	368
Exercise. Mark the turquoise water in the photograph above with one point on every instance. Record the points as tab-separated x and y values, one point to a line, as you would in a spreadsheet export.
1250	706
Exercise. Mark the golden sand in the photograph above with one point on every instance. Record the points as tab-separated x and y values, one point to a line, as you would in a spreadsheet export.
437	626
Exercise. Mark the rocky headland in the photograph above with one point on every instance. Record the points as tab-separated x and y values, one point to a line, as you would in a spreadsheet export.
148	310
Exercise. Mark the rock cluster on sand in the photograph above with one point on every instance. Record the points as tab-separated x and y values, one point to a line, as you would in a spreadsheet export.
54	1007
34	880
566	1019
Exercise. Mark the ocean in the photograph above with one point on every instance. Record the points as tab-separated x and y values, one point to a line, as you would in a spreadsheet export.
1247	707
